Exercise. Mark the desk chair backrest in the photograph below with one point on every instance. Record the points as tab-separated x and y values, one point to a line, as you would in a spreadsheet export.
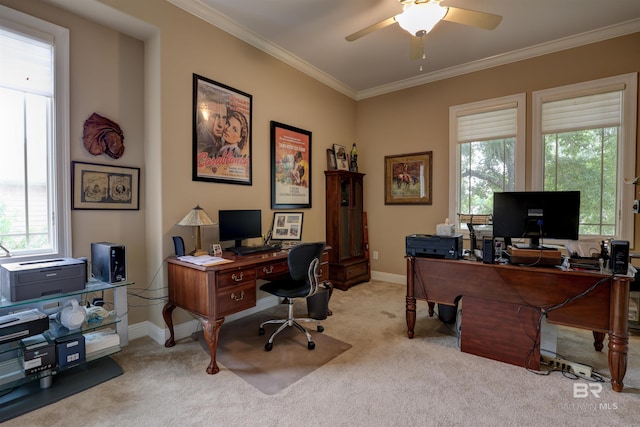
304	263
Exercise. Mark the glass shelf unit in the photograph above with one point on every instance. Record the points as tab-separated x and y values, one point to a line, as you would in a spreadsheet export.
12	373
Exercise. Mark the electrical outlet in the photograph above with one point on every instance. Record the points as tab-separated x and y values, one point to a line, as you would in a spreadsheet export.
375	254
566	365
636	206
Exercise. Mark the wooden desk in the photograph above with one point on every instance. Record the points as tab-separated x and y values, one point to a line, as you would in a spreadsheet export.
603	310
211	293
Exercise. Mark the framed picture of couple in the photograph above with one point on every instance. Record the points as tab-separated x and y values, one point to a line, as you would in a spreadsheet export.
221	133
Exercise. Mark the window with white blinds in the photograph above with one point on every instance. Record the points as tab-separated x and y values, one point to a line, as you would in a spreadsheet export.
486	153
584	138
34	167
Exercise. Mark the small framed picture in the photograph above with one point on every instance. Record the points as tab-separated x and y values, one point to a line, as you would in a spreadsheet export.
215	249
331	160
96	186
287	226
340	152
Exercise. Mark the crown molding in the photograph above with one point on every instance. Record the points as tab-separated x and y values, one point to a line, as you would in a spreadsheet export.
628	27
204	12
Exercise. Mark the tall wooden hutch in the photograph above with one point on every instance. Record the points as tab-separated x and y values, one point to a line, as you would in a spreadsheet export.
349	257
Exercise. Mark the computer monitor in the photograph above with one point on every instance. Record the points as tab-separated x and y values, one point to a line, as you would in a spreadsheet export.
239	225
536	215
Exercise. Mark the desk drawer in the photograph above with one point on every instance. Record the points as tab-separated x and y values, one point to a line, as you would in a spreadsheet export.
233	278
233	299
269	270
357	269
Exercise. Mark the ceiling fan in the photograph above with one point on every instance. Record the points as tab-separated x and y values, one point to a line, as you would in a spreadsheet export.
418	17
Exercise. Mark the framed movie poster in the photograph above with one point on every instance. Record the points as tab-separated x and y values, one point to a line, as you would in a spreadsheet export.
221	133
290	167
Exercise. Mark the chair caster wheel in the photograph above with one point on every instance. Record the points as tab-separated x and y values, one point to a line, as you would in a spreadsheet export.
261	331
311	345
320	328
268	346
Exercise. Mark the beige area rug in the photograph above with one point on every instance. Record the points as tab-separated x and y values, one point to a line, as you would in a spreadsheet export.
241	350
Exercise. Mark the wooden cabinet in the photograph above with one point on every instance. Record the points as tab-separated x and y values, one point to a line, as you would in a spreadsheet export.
348	259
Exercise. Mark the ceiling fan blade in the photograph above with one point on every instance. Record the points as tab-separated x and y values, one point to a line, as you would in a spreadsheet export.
416	49
488	21
371	29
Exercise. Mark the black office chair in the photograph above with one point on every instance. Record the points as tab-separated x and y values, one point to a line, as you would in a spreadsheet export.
303	281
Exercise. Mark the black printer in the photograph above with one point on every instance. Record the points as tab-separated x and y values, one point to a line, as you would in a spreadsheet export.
427	245
26	280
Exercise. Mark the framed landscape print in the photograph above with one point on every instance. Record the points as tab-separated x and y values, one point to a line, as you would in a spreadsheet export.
221	133
408	179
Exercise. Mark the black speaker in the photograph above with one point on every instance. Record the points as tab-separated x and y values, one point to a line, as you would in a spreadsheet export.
108	262
178	244
488	250
619	261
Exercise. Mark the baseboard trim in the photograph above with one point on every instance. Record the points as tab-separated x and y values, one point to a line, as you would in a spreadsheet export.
388	277
184	330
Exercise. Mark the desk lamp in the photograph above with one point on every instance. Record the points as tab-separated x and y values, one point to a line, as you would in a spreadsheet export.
196	218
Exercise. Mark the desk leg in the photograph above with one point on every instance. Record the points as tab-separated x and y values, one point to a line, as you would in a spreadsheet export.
211	329
166	314
619	333
598	339
411	299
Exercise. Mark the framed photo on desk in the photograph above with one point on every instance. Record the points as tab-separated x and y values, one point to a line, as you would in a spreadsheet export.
287	226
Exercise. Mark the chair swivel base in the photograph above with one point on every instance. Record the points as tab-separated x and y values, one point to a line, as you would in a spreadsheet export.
285	323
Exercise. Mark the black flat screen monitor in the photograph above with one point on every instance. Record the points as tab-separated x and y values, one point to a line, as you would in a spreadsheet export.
536	215
239	225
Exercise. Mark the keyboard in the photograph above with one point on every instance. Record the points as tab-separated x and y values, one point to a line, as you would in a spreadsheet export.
246	250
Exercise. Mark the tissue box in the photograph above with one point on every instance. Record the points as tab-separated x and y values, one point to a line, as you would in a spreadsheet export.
445	229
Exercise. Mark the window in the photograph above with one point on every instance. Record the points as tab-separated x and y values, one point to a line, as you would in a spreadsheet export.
486	153
584	138
34	166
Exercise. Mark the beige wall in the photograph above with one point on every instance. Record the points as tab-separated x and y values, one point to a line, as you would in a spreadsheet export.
145	86
416	119
106	77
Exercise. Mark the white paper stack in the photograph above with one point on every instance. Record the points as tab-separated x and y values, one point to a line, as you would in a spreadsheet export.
101	341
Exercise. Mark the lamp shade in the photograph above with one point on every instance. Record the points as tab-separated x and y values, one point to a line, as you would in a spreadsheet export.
197	216
418	17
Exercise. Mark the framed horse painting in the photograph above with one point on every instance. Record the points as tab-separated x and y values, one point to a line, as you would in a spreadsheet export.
408	179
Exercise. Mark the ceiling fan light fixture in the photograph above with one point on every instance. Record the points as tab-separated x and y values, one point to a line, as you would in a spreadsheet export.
418	17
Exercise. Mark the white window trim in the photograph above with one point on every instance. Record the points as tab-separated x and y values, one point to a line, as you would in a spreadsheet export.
520	101
626	153
62	194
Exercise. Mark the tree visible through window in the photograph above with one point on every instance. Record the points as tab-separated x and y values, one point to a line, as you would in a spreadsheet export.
487	151
584	139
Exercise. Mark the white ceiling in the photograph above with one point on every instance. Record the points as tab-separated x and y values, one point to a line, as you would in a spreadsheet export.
310	35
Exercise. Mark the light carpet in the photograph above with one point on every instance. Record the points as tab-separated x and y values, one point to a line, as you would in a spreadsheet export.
241	350
384	379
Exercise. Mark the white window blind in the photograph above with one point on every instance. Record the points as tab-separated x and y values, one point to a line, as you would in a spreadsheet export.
585	112
27	64
488	125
